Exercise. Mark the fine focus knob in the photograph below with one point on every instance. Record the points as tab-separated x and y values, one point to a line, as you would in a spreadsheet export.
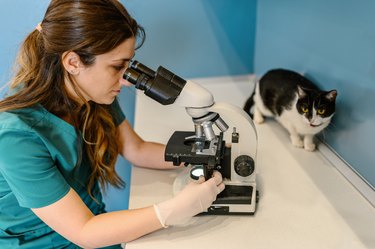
244	165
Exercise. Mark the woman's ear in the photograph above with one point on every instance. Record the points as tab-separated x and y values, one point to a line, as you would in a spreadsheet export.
71	62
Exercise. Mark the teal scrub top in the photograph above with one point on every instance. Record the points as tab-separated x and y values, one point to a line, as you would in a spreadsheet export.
40	160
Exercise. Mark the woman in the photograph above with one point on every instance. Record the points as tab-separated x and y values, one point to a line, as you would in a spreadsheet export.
61	130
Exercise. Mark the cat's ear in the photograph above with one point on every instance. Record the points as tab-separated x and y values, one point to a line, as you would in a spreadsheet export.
331	95
301	92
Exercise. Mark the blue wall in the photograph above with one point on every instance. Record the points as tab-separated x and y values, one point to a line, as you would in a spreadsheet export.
333	43
13	29
197	38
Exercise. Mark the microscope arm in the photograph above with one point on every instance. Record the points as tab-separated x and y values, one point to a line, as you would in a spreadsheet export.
240	123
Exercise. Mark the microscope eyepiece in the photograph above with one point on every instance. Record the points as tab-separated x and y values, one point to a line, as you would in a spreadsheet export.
131	75
143	69
140	80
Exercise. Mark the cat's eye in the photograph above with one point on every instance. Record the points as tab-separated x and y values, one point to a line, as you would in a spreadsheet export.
321	111
304	109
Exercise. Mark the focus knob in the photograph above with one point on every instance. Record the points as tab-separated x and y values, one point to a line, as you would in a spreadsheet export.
244	165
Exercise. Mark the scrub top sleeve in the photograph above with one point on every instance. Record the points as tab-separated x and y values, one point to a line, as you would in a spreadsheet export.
29	169
116	112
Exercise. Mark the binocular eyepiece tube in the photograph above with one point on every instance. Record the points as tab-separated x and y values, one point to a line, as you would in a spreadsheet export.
162	85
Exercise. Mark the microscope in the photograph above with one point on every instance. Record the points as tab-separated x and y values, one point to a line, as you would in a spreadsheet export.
229	148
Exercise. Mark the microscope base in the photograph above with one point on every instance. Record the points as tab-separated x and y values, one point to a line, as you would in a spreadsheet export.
233	200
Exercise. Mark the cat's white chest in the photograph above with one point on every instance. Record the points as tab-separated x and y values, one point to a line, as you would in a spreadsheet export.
291	119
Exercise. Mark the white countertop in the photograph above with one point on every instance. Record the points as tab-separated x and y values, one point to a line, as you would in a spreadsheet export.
304	201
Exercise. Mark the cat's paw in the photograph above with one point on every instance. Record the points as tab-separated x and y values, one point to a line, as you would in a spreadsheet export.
309	146
296	141
309	142
258	118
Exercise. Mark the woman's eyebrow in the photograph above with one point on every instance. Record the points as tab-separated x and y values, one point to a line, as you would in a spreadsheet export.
124	59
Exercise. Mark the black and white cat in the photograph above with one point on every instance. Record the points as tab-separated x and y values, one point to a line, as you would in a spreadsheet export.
295	102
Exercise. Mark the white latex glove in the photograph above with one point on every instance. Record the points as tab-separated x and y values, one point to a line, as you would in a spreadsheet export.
195	198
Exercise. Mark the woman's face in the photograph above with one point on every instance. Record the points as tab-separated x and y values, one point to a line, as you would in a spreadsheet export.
102	81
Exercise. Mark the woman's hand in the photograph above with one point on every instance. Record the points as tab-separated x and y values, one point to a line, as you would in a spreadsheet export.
195	198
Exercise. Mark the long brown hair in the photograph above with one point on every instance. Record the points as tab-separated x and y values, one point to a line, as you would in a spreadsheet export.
88	28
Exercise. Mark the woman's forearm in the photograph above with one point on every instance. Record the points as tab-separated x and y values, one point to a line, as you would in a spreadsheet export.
71	218
152	156
117	227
